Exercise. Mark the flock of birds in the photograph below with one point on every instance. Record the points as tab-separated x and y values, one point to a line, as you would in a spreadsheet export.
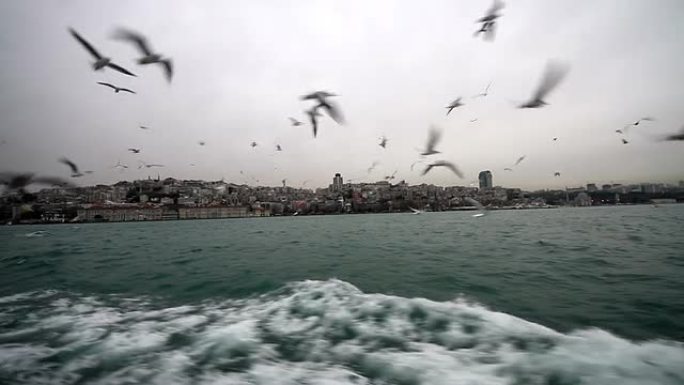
323	105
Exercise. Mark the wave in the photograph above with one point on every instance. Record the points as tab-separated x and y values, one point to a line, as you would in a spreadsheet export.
310	332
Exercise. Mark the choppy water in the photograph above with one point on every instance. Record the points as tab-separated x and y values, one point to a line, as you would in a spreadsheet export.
568	296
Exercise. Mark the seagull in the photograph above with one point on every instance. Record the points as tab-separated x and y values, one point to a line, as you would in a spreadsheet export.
624	141
456	103
372	167
414	163
489	21
144	127
555	139
508	169
619	131
201	143
100	61
115	88
295	122
75	173
676	137
143	46
478	205
254	144
319	96
330	108
556	173
143	164
416	211
473	120
383	142
134	150
119	166
391	177
443	163
278	148
434	135
553	74
517	162
485	93
646	119
18	182
313	114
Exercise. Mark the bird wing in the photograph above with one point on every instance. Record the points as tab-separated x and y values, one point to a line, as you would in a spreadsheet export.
333	111
553	74
453	168
136	38
126	90
427	169
517	162
414	210
51	180
85	44
474	203
72	165
314	123
508	169
168	68
487	88
107	85
120	69
434	135
495	8
293	120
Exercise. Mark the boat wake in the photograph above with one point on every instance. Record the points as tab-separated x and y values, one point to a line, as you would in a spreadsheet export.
311	332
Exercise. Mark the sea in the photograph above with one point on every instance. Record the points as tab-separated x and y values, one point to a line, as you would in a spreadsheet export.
550	296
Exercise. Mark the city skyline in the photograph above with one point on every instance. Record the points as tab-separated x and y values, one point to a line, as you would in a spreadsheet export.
393	75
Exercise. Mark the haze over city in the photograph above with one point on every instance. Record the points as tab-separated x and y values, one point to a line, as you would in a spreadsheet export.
240	68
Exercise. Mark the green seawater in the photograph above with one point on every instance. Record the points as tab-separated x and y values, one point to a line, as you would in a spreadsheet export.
349	299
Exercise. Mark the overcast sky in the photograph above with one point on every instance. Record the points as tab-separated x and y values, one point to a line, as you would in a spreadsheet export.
242	65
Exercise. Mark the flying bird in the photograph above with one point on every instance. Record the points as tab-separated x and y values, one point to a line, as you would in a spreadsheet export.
319	96
478	205
201	143
330	108
555	139
488	27
556	173
485	93
372	167
676	137
143	164
120	166
434	136
144	127
383	142
391	177
415	211
473	120
295	122
517	162
553	75
19	182
619	131
115	88
313	114
278	148
100	61
646	119
75	173
508	169
456	103
134	150
254	144
624	141
443	163
143	46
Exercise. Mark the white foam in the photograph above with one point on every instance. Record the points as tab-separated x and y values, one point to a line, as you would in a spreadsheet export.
317	332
